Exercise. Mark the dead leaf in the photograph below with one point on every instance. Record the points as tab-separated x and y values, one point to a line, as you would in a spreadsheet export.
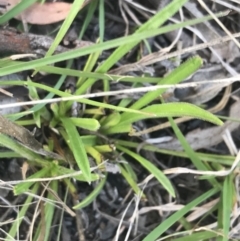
43	13
40	13
24	170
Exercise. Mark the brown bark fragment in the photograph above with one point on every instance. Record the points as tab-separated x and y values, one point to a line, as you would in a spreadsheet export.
12	42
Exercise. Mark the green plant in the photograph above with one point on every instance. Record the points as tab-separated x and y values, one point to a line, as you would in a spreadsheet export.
79	146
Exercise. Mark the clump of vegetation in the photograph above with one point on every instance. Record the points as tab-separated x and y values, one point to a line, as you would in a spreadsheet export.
87	133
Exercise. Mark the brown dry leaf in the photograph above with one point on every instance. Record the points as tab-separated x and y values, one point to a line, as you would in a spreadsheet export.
40	13
24	168
208	137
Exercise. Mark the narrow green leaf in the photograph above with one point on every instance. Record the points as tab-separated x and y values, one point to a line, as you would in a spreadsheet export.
86	123
76	145
164	226
151	168
97	47
7	61
120	128
9	154
133	184
101	20
89	65
79	73
65	26
16	10
88	140
65	171
198	163
51	95
23	213
223	159
64	94
153	23
202	235
172	110
227	196
87	19
130	170
176	76
111	120
22	151
92	196
49	211
24	187
105	148
95	154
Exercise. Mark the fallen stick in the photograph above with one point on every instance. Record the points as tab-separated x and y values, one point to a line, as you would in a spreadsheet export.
15	42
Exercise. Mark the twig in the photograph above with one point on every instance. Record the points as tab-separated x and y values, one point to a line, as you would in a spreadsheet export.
14	42
158	56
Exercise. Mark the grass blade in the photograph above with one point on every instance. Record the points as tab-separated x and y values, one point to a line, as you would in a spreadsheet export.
15	227
176	76
227	196
172	110
21	66
92	196
151	168
76	145
163	227
65	26
86	123
190	152
154	22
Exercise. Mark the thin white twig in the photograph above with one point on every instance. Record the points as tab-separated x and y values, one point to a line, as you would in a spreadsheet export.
219	22
45	179
126	91
209	173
